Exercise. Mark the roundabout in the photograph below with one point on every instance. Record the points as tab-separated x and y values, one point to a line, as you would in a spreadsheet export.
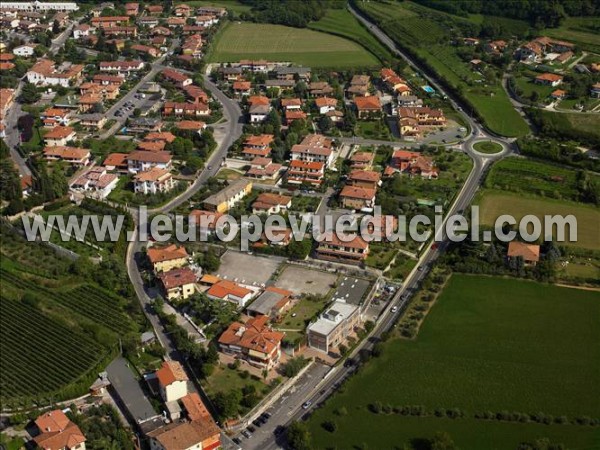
487	147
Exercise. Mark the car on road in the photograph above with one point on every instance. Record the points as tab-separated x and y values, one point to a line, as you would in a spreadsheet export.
247	434
209	167
306	405
394	309
266	415
238	441
420	268
251	429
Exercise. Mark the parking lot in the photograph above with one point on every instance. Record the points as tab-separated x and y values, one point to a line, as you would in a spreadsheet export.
301	280
247	269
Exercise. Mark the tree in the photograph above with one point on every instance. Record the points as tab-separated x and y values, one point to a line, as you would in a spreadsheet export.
10	184
329	425
298	436
227	404
55	27
325	124
442	441
30	94
299	249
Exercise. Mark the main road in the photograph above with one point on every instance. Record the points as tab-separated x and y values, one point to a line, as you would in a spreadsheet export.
400	300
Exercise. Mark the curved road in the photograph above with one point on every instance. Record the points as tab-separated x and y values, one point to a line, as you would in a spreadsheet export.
480	164
226	134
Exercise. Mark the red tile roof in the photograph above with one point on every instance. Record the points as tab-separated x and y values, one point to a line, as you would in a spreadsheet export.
529	252
160	254
253	335
170	372
177	278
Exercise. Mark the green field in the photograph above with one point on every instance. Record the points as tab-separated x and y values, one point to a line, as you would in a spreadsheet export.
279	43
533	177
341	22
232	5
493	204
488	147
489	344
572	125
575	29
426	33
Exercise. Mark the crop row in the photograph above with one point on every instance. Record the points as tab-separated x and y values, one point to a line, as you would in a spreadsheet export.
102	309
38	354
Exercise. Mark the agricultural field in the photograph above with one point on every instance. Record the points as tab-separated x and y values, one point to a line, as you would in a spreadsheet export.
578	30
29	362
342	23
571	125
232	5
493	204
532	177
514	352
420	31
279	43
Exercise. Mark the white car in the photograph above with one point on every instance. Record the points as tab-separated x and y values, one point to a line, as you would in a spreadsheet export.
394	309
307	405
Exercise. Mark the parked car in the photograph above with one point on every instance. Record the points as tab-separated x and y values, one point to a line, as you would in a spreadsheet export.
247	434
306	405
394	309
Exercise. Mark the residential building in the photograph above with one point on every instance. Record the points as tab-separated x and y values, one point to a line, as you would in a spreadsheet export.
153	180
259	145
332	248
98	181
367	107
291	104
179	79
172	381
271	303
7	97
305	172
151	146
263	168
109	21
57	432
259	109
269	203
205	221
368	179
178	435
356	197
44	73
95	121
413	119
409	101
195	94
25	51
53	117
333	327
242	87
167	258
226	199
186	109
359	86
121	67
178	283
362	160
253	341
211	11
107	80
314	148
116	162
182	10
320	89
59	136
121	31
229	291
412	163
529	253
549	79
292	116
595	91
140	160
40	6
146	50
191	125
326	104
154	10
132	9
293	73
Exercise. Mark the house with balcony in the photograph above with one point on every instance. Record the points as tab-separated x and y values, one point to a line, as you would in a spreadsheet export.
269	203
332	248
59	136
229	291
305	172
55	431
356	197
153	181
253	341
167	258
314	148
139	161
228	197
257	146
178	283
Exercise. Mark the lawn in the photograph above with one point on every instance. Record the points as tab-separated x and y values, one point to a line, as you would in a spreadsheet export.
305	310
424	33
579	31
493	204
488	344
242	40
488	147
224	379
342	23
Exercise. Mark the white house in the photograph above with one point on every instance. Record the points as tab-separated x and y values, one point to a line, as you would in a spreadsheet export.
97	180
153	181
40	6
24	51
140	160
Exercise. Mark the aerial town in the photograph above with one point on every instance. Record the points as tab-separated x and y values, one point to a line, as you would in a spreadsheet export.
380	112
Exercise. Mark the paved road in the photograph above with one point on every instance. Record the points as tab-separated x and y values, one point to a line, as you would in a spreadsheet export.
225	133
13	137
427	259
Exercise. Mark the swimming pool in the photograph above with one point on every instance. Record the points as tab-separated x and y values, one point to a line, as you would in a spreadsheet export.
428	89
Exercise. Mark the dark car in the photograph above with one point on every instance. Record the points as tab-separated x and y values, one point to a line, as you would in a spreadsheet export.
238	441
251	429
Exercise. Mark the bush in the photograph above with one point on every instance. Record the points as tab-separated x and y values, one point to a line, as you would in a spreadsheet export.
329	425
375	407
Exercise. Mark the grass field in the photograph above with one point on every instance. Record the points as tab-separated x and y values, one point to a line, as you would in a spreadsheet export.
533	177
488	147
342	23
280	43
572	124
493	204
488	344
575	29
425	32
229	4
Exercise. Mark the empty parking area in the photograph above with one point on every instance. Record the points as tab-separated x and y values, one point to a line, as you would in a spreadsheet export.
247	269
301	280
